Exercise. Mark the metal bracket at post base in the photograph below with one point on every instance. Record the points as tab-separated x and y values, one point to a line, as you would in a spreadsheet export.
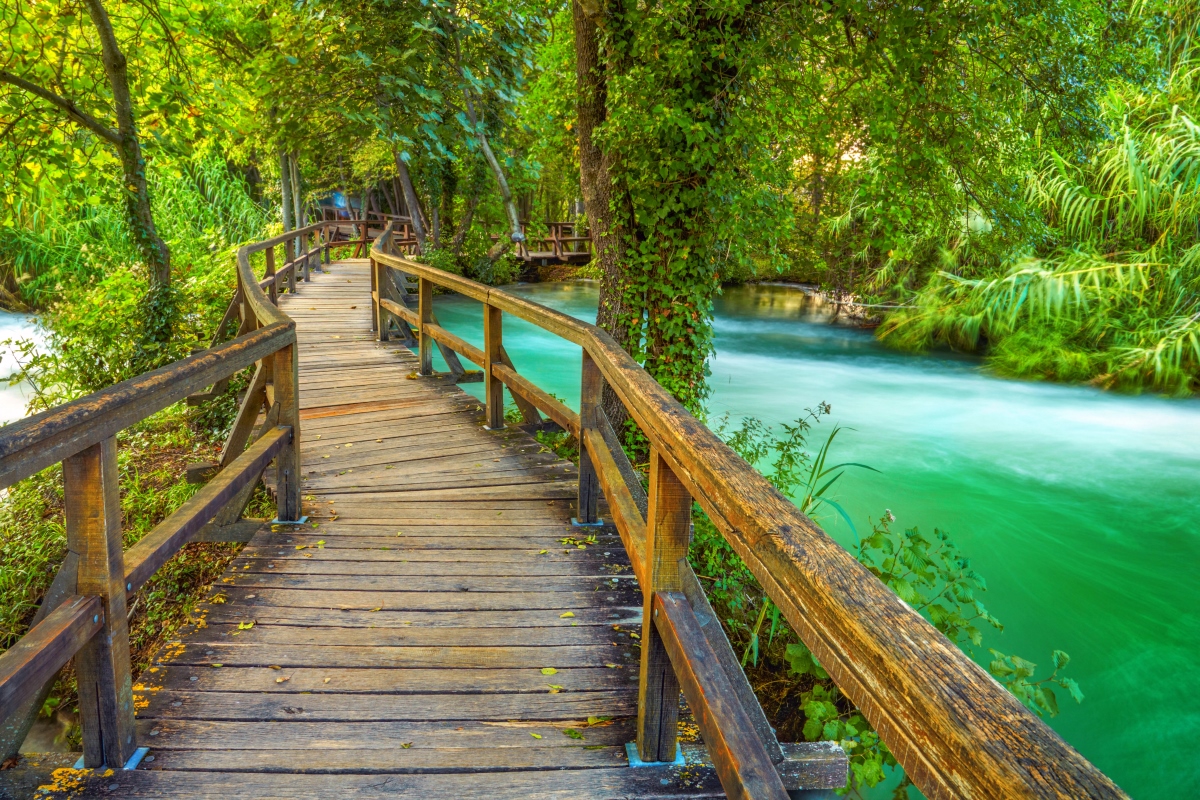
636	761
278	521
132	763
597	524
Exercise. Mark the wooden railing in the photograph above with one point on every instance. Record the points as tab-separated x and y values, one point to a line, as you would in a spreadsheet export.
957	732
84	613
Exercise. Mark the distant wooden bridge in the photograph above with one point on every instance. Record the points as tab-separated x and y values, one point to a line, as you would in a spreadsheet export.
442	607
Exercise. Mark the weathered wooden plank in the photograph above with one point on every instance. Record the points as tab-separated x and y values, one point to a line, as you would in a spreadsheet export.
558	656
533	565
491	584
264	613
476	734
39	654
435	601
16	723
337	708
580	784
482	760
553	632
741	761
92	511
667	540
365	680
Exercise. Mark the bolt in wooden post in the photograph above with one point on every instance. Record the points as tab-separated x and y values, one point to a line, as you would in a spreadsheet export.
93	517
493	388
273	289
590	391
425	311
668	521
286	379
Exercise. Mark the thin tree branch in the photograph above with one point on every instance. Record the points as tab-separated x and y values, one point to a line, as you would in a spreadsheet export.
73	111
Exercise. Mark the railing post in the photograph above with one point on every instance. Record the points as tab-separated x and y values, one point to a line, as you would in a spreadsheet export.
273	289
93	519
289	257
590	391
668	522
382	317
286	380
493	388
328	238
376	323
308	239
425	311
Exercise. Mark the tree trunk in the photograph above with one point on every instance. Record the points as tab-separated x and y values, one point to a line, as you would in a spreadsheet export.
597	187
299	217
136	192
285	183
514	218
410	199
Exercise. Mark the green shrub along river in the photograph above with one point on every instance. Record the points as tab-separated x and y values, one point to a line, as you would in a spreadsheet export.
1078	506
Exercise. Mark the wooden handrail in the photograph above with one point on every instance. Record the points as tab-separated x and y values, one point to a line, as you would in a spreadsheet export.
43	651
34	443
956	731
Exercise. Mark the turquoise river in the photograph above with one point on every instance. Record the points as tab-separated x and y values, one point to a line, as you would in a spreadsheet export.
1078	506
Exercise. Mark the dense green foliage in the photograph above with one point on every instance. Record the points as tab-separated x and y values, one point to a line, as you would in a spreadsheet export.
1112	291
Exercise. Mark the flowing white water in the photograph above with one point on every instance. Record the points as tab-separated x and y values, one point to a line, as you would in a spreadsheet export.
13	399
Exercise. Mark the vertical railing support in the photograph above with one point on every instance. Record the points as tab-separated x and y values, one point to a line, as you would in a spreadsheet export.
425	311
289	257
93	519
273	289
382	316
493	341
308	251
668	522
286	380
590	391
328	238
377	322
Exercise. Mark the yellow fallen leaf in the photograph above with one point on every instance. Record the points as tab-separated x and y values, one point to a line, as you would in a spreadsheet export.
377	609
320	544
327	680
301	547
284	679
245	626
274	666
349	444
216	665
542	552
549	671
406	745
566	614
535	735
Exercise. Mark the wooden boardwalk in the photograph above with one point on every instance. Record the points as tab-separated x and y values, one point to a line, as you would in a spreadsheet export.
437	618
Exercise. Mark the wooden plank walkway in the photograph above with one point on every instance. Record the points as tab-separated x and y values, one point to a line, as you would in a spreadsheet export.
440	630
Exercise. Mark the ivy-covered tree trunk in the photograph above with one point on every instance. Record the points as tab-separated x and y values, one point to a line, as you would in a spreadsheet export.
655	96
595	180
